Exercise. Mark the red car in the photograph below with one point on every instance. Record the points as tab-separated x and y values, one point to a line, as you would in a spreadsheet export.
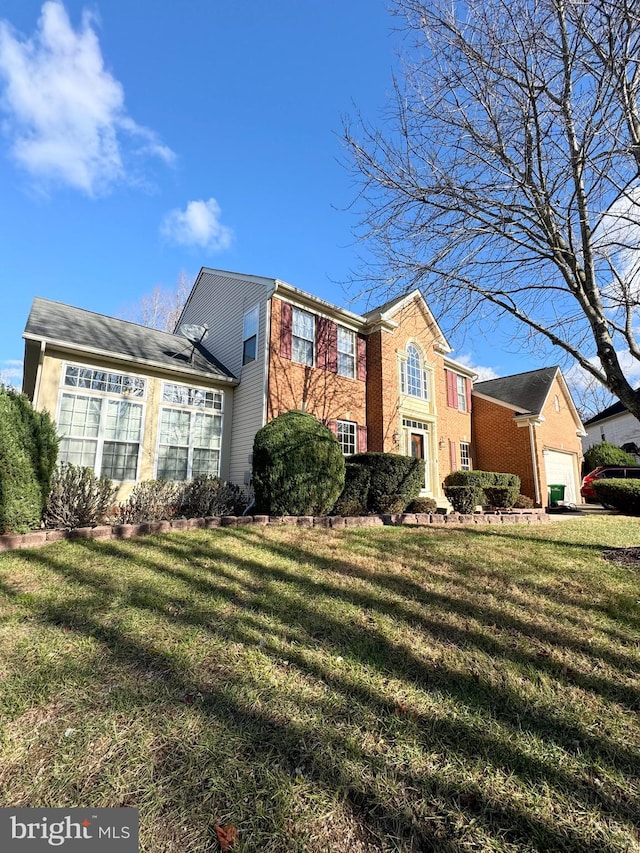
606	472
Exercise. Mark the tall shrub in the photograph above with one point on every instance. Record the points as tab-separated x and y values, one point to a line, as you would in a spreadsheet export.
39	432
298	466
606	453
20	492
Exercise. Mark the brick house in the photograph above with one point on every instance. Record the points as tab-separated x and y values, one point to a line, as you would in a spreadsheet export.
527	424
135	403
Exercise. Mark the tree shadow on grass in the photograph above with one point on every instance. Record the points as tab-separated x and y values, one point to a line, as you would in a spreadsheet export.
439	814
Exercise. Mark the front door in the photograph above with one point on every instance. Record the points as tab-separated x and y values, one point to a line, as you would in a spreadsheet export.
418	446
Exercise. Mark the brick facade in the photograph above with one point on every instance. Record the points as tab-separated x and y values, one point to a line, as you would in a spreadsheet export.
501	445
388	407
317	390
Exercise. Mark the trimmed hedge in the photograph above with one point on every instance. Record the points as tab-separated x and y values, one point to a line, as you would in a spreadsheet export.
394	480
353	500
467	489
621	494
298	466
422	505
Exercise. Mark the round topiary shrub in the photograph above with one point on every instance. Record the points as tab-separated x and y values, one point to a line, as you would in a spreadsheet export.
298	466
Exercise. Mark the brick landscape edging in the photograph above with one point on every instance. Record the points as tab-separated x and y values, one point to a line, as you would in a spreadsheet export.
13	542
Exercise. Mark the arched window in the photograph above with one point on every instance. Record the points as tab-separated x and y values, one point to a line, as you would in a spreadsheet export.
415	378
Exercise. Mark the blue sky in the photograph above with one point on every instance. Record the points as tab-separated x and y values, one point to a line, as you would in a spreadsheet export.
142	139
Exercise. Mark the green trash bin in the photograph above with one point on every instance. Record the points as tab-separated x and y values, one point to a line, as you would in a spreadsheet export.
556	493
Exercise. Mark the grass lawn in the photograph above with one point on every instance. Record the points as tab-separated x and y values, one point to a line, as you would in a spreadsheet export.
357	690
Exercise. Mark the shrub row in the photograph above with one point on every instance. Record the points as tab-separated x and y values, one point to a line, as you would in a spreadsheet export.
79	498
621	494
466	490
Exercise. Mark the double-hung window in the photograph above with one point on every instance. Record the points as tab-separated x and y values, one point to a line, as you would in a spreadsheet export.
414	376
347	437
250	335
461	389
346	352
190	432
303	337
465	456
100	417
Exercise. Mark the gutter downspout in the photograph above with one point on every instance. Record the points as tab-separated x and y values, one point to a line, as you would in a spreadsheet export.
536	482
36	389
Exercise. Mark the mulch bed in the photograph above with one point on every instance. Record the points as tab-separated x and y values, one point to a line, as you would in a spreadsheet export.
625	556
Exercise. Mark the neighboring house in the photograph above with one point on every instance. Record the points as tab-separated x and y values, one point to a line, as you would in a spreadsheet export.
136	404
528	425
616	425
130	402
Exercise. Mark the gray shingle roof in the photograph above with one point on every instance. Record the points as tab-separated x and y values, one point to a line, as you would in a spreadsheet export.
526	391
79	328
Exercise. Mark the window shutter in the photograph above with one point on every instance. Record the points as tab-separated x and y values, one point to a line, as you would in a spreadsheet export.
467	383
362	439
452	390
322	342
286	327
453	456
332	351
362	358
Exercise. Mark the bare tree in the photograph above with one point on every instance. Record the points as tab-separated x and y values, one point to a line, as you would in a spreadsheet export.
161	308
506	172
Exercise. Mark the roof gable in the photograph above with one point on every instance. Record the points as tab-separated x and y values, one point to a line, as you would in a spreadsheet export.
387	311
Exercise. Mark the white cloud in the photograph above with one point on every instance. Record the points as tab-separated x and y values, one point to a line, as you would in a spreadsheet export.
11	372
197	225
484	373
66	117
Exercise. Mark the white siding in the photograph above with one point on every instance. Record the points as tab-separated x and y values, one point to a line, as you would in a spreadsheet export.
220	301
618	429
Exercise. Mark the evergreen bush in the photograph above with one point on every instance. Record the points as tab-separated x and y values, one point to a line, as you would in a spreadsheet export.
422	505
39	432
605	453
480	488
353	500
395	480
621	494
298	466
78	498
20	492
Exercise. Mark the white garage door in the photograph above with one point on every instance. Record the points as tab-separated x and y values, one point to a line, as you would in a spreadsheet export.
560	469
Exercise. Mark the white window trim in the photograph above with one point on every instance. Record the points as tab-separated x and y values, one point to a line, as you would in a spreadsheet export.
461	395
255	309
427	374
312	339
466	444
353	354
192	410
73	390
354	425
